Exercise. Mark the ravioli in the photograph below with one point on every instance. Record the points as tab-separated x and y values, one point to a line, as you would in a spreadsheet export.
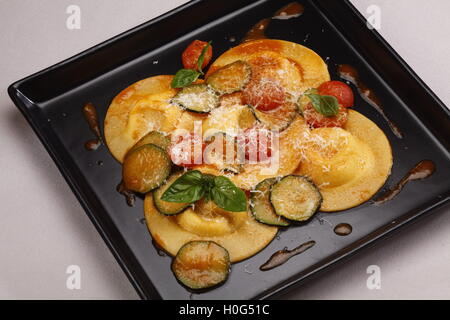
136	111
238	232
296	67
348	165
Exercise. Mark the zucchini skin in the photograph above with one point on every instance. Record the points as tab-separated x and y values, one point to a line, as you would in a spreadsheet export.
272	219
153	137
192	284
253	114
159	204
202	86
242	80
272	123
302	217
157	183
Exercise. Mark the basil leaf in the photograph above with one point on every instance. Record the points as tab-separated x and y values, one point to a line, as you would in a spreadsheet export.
201	58
184	77
227	196
326	105
186	189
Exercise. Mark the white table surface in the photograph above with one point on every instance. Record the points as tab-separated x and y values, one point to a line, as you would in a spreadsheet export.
43	229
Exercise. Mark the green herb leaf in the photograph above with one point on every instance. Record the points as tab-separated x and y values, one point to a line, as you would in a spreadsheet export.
188	188
184	77
326	105
227	196
201	58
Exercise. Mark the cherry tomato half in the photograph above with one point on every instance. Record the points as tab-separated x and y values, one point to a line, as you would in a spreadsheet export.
264	95
192	54
318	120
340	90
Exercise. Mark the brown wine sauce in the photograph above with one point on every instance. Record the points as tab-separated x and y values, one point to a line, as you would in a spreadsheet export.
129	195
343	229
290	11
350	74
91	116
422	170
258	31
158	249
282	256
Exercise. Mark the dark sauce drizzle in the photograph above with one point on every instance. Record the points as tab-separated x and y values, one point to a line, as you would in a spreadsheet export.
343	229
91	116
422	170
282	256
158	249
129	195
258	31
290	11
349	73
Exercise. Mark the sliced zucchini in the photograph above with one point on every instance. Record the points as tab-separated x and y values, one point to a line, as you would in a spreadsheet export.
146	168
154	137
231	78
201	265
295	198
199	98
247	118
280	118
262	208
168	208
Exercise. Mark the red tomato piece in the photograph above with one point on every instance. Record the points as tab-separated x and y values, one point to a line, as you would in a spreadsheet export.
318	120
192	54
340	90
264	95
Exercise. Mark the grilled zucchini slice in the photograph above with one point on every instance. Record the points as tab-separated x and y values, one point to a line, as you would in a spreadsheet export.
168	208
247	118
201	265
261	207
280	118
146	168
154	137
295	198
231	78
199	98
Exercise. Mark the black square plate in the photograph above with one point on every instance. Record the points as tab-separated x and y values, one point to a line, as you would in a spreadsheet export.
52	102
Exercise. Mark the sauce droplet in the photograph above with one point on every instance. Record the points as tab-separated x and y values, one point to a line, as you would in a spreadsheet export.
350	74
290	11
343	229
258	31
422	170
91	116
158	249
129	195
282	256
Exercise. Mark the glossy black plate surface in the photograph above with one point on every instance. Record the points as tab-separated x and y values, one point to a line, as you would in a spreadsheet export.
52	102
